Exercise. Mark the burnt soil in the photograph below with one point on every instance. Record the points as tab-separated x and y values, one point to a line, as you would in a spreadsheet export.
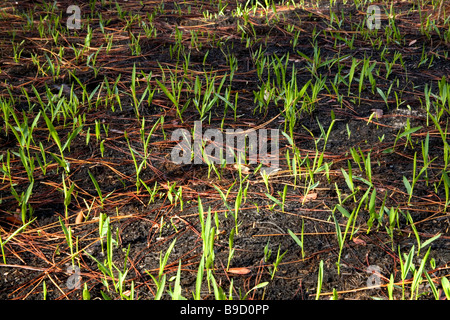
41	253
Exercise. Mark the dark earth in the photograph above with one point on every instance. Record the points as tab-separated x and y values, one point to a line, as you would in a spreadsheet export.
41	253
